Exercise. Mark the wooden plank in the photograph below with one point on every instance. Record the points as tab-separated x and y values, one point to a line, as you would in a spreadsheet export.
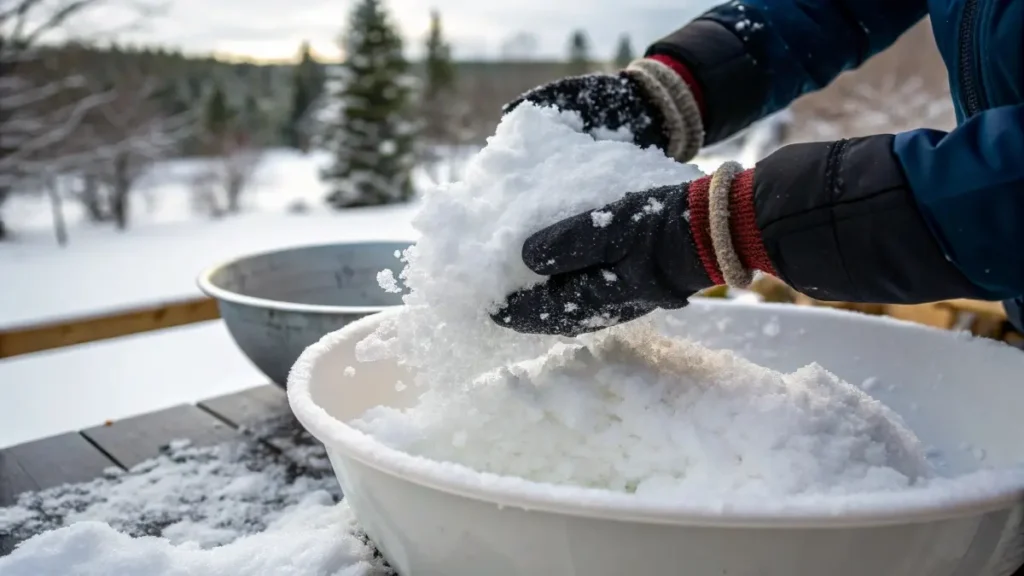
263	412
137	439
251	407
26	339
13	480
41	464
927	314
993	309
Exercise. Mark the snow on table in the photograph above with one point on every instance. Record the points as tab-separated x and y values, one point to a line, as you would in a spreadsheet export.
50	392
238	508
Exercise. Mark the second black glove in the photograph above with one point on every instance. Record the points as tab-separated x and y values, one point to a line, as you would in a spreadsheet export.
608	266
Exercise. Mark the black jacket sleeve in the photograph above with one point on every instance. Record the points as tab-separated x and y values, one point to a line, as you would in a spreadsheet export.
840	222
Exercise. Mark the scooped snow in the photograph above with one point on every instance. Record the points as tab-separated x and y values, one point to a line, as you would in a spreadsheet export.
625	410
538	168
630	410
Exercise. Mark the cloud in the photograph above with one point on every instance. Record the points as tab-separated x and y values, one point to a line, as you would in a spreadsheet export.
275	28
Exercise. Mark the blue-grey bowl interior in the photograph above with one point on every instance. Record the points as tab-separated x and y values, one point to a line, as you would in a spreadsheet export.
275	304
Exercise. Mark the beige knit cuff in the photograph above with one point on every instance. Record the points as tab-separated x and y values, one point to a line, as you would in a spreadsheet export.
728	259
673	97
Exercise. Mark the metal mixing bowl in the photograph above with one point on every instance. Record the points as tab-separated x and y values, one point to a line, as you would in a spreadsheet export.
275	304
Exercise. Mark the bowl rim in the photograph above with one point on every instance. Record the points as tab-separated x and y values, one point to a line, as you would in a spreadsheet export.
1003	489
206	285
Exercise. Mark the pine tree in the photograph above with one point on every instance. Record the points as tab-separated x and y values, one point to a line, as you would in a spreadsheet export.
442	112
218	117
579	53
439	85
372	142
624	53
307	86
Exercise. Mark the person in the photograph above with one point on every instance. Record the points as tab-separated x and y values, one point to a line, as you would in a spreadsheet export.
914	217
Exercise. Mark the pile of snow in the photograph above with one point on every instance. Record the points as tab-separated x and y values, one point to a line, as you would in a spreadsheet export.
234	509
633	411
626	410
538	168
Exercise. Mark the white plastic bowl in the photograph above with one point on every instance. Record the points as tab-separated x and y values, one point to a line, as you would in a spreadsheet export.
962	395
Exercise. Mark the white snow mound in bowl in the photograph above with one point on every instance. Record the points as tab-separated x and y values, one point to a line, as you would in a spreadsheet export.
631	410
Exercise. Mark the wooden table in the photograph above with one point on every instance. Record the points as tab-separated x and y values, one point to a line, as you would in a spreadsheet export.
82	456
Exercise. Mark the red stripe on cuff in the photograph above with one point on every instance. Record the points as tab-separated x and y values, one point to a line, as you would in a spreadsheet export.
687	77
700	228
746	236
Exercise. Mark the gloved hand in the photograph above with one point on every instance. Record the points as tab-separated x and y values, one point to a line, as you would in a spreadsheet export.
653	98
651	249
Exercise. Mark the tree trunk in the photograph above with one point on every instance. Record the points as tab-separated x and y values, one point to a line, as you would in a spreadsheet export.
60	228
92	200
4	192
122	186
234	190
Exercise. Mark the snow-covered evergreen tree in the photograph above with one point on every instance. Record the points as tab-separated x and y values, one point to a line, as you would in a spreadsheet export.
372	141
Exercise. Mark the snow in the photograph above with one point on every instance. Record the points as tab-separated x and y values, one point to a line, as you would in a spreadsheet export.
624	410
56	391
158	259
667	419
538	168
233	509
601	218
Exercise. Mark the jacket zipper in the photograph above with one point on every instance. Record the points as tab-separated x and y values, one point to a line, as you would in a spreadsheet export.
968	67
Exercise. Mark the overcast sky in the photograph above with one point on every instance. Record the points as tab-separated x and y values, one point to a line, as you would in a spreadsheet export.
272	29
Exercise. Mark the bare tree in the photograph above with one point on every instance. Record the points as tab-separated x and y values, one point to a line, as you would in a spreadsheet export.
217	190
127	135
42	102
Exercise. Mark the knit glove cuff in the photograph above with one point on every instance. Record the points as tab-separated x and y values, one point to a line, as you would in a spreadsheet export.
723	223
673	97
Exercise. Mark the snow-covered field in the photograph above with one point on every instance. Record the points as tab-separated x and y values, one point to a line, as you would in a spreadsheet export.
167	244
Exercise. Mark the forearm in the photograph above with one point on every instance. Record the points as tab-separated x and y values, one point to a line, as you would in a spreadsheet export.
839	222
754	57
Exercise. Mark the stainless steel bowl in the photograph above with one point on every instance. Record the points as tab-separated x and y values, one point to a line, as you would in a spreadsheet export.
275	304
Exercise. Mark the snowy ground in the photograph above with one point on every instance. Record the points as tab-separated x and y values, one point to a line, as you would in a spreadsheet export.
168	245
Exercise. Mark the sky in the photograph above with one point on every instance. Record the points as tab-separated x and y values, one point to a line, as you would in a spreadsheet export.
274	29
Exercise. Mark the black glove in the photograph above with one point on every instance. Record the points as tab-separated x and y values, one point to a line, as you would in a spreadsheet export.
604	101
609	266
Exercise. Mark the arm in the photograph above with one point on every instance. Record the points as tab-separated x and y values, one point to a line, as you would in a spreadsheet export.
751	58
917	217
921	216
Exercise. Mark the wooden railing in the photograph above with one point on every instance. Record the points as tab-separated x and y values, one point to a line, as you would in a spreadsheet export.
67	332
982	318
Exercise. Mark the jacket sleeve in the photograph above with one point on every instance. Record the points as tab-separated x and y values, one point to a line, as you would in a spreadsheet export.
753	57
916	217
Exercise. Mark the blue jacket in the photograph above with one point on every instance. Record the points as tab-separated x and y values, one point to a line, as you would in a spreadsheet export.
967	185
